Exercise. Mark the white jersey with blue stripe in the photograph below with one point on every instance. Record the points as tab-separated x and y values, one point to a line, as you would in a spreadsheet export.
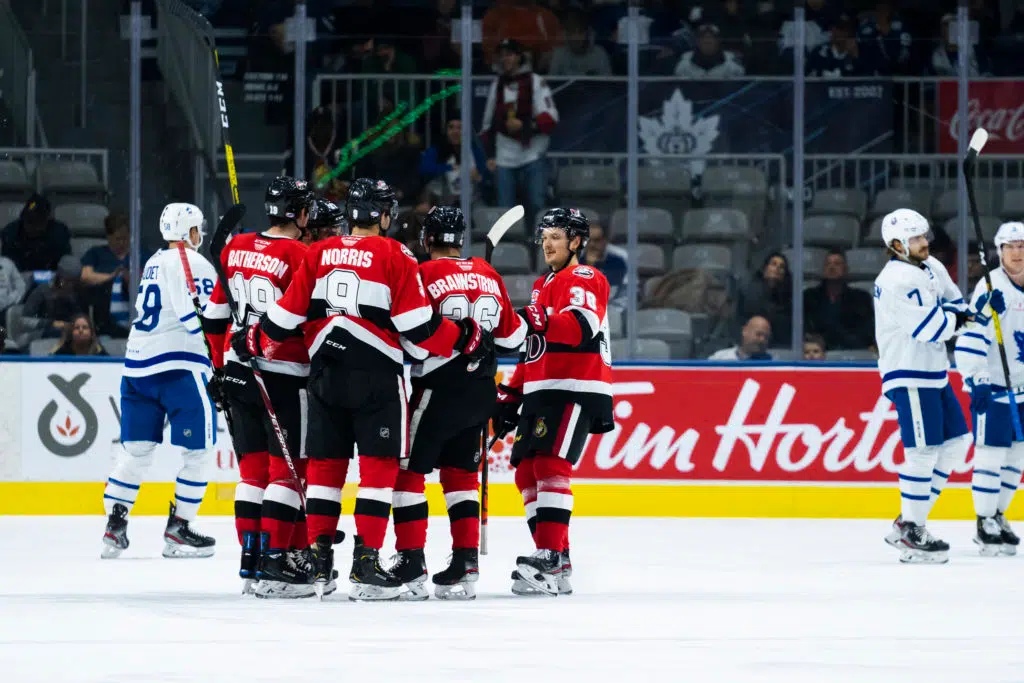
977	356
914	316
165	334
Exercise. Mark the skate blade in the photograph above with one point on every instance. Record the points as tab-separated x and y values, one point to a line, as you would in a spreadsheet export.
174	551
249	586
464	590
1009	549
110	552
278	590
922	557
365	593
988	549
415	591
545	583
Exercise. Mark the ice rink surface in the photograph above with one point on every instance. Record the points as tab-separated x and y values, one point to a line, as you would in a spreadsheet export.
656	600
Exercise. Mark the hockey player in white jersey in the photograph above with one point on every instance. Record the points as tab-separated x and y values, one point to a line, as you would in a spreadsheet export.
165	374
998	456
917	309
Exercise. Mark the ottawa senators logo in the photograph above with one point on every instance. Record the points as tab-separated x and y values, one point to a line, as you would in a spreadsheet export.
540	428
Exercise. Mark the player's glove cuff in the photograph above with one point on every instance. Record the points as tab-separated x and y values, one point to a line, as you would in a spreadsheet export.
215	390
474	342
536	317
247	343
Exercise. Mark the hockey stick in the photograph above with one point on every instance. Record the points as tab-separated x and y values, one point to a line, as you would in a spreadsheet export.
978	141
217	244
229	151
494	235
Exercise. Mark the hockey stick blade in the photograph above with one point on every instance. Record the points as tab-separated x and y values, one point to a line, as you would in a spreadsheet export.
501	226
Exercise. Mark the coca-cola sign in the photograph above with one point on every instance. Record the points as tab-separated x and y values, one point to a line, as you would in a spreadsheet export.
758	424
997	106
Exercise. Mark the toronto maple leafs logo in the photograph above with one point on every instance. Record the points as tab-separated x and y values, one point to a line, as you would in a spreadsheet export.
678	132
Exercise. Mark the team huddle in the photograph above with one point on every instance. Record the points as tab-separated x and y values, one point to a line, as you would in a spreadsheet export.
299	339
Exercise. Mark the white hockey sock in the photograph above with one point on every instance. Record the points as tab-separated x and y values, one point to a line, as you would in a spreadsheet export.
123	483
952	454
915	483
190	485
988	462
1010	475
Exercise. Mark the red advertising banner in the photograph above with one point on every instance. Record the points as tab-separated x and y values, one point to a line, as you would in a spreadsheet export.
790	424
997	106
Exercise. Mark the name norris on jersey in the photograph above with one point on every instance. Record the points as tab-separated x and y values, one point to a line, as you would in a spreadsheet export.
256	261
461	282
346	257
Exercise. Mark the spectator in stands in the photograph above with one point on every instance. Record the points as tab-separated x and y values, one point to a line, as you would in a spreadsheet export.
12	285
440	164
814	347
975	271
770	294
397	160
608	259
709	60
323	145
79	339
820	16
841	56
519	116
733	19
35	242
946	58
386	58
51	305
439	51
885	42
753	342
844	316
533	27
658	29
580	56
105	271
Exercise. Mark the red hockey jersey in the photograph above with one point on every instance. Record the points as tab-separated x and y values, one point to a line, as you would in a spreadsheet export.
259	268
572	361
356	297
459	288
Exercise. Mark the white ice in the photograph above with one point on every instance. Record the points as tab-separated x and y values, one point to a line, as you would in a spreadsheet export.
656	600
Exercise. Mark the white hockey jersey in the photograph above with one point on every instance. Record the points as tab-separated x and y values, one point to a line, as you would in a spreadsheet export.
977	356
914	317
165	334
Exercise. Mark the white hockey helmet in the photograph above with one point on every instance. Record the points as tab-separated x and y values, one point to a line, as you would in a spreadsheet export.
902	225
1009	232
177	221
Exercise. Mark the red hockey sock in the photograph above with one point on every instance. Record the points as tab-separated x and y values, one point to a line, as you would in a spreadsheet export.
554	501
281	505
325	479
373	502
410	511
526	482
462	500
253	475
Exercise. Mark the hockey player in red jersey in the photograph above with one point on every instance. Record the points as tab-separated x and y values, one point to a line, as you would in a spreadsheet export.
356	296
563	385
452	400
259	267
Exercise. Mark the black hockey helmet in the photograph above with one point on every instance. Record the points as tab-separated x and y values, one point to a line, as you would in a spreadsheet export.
574	223
368	200
443	226
328	221
286	197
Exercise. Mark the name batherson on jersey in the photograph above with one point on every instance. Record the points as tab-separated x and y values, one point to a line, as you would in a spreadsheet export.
914	316
357	296
165	334
459	288
259	268
977	356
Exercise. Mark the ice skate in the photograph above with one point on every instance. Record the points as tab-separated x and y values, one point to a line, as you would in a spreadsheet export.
989	538
321	556
181	541
370	581
286	574
540	570
893	537
521	587
457	582
1010	539
249	563
410	567
917	545
115	538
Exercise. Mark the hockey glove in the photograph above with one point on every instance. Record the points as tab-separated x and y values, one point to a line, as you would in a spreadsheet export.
994	300
536	318
215	389
247	343
506	410
962	318
474	342
981	396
